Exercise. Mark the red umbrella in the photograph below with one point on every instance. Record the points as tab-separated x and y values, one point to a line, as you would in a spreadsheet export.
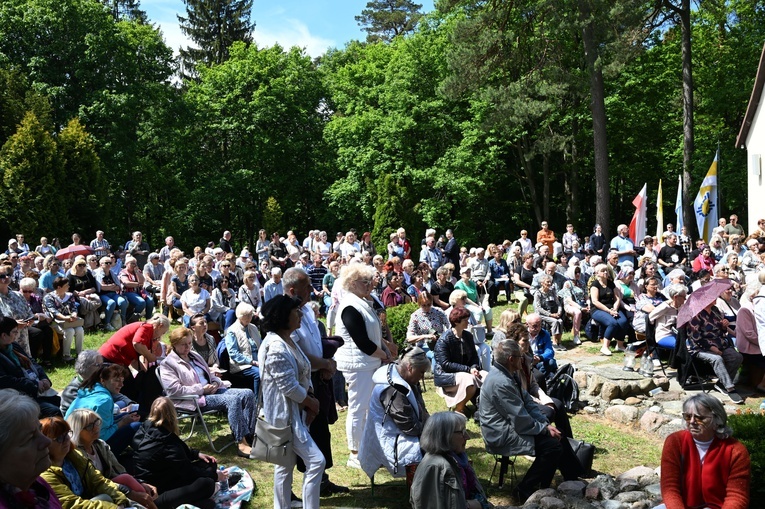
72	251
701	298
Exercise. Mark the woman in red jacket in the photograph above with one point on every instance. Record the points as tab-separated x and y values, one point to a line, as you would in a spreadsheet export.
704	466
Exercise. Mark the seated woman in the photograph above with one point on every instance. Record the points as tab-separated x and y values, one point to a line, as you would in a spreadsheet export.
83	286
729	306
242	342
24	450
204	343
459	299
441	289
184	372
62	306
86	426
704	466
132	280
575	303
396	415
470	288
550	308
87	362
223	303
445	478
605	302
707	340
529	375
249	291
195	300
650	297
705	261
629	291
181	475
747	338
179	283
417	286
72	476
506	319
394	294
458	375
97	393
19	372
426	325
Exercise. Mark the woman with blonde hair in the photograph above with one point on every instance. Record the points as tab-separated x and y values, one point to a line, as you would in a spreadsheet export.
86	426
185	373
182	475
506	319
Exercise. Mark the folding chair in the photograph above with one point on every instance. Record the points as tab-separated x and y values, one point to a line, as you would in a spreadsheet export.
687	364
505	463
194	415
650	341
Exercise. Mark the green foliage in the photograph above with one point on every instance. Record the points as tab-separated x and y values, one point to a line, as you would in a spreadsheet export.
82	178
383	20
273	217
747	429
214	25
31	196
398	321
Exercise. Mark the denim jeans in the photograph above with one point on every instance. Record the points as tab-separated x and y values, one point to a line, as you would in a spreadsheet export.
111	300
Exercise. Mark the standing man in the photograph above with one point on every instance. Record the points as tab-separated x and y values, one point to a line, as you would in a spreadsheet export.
308	338
164	253
671	256
623	245
138	249
431	255
546	236
100	245
732	228
225	242
525	242
451	249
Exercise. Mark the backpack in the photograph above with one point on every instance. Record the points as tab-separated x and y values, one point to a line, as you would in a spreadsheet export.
563	387
223	360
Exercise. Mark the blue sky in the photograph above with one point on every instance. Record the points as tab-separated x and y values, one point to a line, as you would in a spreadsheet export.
311	24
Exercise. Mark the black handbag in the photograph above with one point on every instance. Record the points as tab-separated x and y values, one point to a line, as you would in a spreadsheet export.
584	452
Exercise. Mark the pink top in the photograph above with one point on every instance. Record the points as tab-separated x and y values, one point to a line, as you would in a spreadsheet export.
746	331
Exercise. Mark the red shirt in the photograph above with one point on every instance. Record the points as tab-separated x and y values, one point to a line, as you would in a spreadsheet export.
119	348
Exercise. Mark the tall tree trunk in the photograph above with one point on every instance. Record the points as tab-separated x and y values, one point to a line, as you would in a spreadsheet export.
546	187
528	170
598	109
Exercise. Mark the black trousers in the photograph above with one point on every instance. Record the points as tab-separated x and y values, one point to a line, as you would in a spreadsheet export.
558	416
41	337
319	429
550	454
195	494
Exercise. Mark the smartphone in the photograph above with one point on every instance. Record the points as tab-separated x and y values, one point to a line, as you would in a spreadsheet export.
133	407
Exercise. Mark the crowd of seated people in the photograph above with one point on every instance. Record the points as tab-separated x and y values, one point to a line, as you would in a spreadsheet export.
603	290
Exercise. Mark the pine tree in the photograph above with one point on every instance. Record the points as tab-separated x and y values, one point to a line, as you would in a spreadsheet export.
214	25
126	9
385	19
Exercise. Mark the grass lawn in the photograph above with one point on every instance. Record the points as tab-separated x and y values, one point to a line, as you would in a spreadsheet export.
618	449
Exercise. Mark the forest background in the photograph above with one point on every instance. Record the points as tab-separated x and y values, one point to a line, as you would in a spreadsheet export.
486	116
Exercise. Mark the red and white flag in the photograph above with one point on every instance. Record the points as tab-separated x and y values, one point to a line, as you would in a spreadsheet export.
637	225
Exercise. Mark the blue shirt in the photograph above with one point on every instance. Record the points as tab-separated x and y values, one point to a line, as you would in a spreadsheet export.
620	243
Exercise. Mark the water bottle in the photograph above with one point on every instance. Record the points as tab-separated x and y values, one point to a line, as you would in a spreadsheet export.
762	406
224	483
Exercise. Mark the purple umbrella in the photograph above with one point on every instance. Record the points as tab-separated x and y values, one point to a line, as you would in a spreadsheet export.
701	298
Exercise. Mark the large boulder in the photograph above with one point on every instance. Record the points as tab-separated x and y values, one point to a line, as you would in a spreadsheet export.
623	414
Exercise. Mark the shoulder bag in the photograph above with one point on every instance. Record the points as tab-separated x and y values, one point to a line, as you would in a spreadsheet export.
272	444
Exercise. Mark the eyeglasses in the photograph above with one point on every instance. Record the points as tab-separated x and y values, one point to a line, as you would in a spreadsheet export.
225	265
93	425
462	432
64	438
106	263
702	419
27	291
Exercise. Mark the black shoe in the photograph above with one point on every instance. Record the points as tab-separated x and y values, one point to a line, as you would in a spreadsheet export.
736	398
329	488
295	502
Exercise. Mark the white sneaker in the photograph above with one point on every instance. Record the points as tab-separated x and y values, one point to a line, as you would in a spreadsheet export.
605	351
577	341
353	461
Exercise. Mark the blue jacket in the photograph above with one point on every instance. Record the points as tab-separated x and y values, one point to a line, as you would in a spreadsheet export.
100	400
544	349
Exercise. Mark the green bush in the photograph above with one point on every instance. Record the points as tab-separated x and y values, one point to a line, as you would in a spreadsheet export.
747	429
398	320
